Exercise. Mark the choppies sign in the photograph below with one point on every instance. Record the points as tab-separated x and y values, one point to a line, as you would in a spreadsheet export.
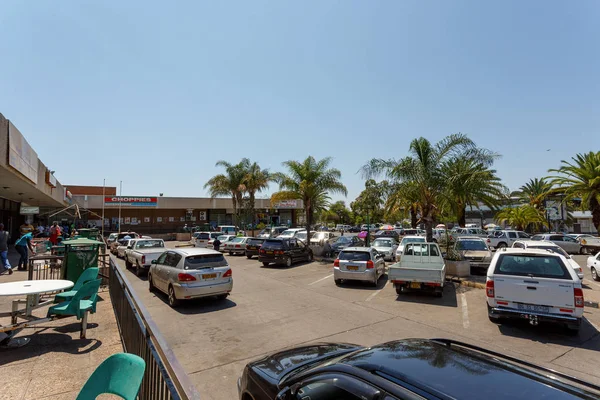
115	201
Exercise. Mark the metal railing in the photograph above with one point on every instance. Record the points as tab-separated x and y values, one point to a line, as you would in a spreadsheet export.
44	266
164	377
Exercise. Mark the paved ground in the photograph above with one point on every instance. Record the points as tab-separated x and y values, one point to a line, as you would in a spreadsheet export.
273	308
56	363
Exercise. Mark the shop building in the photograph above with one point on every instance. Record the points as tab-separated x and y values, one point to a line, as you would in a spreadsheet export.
28	188
157	214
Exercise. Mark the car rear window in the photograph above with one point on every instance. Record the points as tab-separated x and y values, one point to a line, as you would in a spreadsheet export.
203	235
541	266
354	256
150	244
255	242
205	261
273	244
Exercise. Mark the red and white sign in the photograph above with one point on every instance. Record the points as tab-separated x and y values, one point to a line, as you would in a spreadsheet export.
123	201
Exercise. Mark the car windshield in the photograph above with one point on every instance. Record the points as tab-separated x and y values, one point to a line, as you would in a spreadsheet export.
203	235
472	245
150	244
319	235
343	239
238	240
354	256
255	242
289	233
272	244
223	238
382	243
214	235
531	265
205	261
413	240
301	235
554	249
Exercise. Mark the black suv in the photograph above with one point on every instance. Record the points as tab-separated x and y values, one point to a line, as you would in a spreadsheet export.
404	369
253	246
284	252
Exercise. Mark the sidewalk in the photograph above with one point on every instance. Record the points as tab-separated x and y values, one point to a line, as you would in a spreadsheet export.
56	363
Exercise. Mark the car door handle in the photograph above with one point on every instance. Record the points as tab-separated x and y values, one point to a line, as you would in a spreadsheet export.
531	288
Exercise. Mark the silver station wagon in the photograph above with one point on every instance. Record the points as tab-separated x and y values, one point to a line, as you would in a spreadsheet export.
191	273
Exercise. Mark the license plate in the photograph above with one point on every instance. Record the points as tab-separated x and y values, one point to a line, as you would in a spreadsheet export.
352	268
532	307
415	285
269	252
251	248
209	276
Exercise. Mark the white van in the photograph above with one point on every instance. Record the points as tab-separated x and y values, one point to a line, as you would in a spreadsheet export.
228	229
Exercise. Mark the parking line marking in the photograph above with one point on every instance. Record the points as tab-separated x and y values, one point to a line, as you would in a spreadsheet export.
373	295
465	311
322	279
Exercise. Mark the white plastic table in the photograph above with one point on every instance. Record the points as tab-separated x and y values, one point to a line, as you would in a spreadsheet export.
31	289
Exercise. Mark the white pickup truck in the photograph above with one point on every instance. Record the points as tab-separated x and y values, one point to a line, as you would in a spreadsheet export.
420	268
591	244
140	254
536	285
502	239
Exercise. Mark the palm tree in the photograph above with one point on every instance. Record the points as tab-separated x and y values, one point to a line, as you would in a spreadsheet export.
521	217
468	183
580	178
535	192
403	198
423	169
255	180
231	183
311	181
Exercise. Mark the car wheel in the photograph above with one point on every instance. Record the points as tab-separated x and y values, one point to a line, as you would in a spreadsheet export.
338	282
309	257
127	264
288	262
495	320
222	296
501	245
265	264
439	293
248	256
595	274
173	301
399	290
572	330
231	253
582	250
138	270
150	284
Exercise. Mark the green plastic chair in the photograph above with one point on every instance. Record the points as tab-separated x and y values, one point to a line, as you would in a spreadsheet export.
82	303
88	274
120	374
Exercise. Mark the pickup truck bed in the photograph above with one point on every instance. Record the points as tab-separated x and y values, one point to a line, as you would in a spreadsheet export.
420	268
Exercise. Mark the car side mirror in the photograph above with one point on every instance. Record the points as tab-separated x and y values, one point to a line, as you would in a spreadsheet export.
154	262
130	247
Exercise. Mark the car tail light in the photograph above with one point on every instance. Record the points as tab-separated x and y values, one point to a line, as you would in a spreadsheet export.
185	277
489	241
578	292
489	289
227	274
143	260
237	246
336	263
280	252
370	264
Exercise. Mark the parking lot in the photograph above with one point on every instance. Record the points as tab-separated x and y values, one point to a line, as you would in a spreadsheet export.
275	307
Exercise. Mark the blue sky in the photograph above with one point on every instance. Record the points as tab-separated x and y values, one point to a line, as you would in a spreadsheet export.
154	93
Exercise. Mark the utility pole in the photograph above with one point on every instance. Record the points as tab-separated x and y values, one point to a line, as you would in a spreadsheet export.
120	201
103	194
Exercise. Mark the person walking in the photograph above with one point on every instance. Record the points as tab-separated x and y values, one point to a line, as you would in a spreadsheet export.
55	232
217	244
21	245
4	236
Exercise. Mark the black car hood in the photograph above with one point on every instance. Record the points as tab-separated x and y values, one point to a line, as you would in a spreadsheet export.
279	364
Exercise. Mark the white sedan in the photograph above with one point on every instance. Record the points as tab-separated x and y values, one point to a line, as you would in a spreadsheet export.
123	247
593	263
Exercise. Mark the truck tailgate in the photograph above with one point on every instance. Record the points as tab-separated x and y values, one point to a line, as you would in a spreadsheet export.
408	274
538	291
